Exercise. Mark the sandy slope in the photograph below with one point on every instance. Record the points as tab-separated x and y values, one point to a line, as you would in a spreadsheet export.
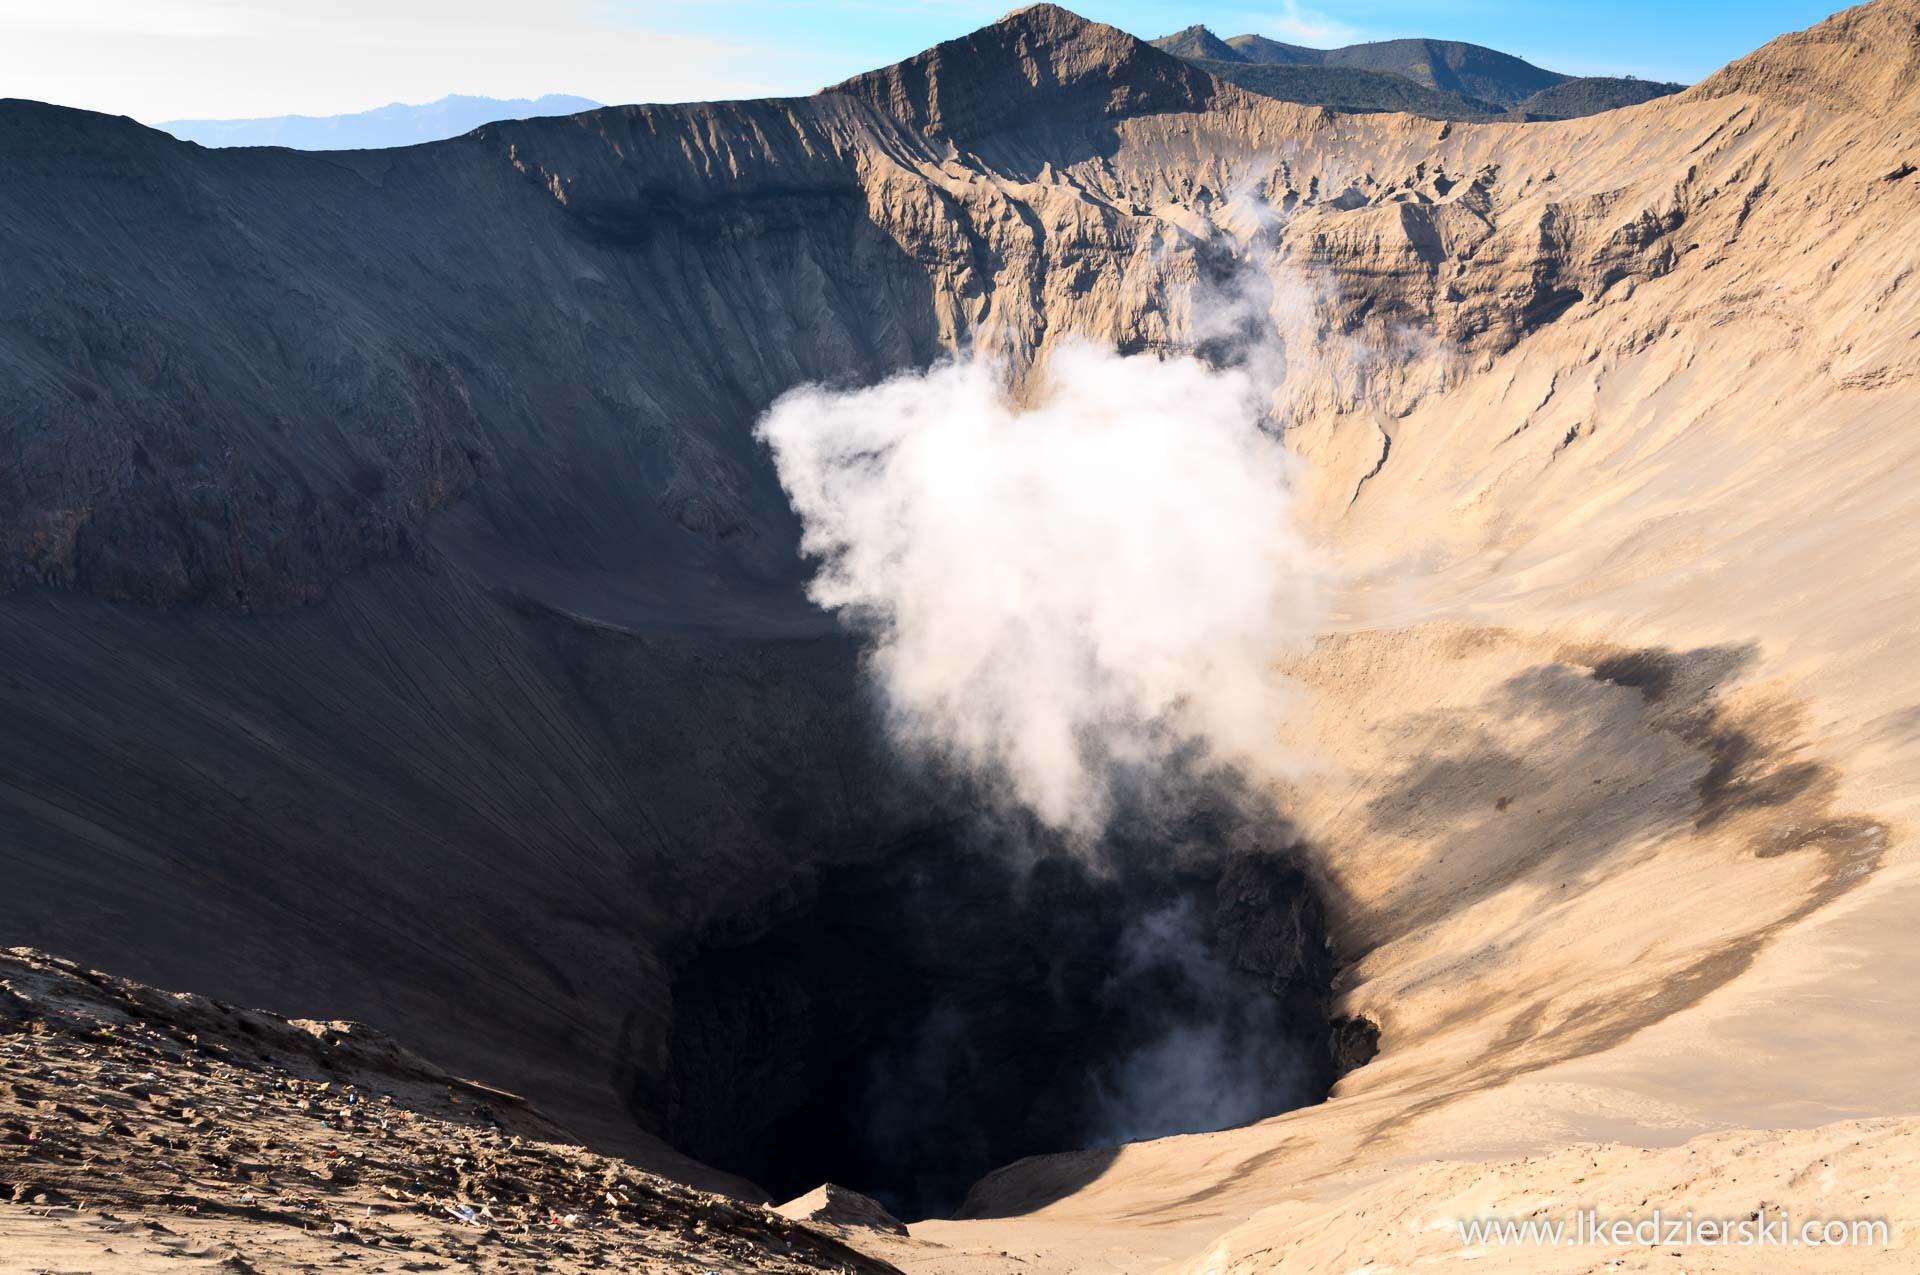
1620	717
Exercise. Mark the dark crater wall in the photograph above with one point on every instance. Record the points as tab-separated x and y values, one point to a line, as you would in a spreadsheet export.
400	621
903	1026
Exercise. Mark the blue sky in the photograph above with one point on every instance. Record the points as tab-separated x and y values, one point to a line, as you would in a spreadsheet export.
1655	39
170	59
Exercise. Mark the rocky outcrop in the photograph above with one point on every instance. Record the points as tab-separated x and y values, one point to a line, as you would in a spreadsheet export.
833	1205
234	1137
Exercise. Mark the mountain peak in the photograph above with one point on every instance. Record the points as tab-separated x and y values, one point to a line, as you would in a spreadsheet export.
1198	42
1258	48
1039	61
1863	58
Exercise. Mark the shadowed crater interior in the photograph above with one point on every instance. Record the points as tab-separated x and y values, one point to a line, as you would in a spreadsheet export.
909	1024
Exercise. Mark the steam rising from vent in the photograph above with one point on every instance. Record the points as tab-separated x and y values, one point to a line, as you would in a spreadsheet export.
1221	1059
1067	592
1074	594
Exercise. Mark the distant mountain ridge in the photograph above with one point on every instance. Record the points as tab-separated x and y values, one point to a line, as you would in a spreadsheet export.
1443	79
397	124
1347	88
1451	66
1590	95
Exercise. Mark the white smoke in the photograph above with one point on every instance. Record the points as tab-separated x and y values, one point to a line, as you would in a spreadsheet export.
1221	1056
1068	590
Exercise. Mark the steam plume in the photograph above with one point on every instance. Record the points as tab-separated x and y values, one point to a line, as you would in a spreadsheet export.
1218	1052
1067	591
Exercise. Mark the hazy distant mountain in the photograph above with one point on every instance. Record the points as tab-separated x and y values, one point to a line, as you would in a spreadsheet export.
1444	79
394	125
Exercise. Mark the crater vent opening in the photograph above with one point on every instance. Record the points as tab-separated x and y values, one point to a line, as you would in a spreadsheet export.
907	1025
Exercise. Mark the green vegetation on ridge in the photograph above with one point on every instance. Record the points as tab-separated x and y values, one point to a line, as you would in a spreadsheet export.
1440	79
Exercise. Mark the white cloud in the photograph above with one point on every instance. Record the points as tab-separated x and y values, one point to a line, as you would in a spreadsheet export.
174	59
1293	23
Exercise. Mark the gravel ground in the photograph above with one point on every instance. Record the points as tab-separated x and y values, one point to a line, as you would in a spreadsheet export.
143	1130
